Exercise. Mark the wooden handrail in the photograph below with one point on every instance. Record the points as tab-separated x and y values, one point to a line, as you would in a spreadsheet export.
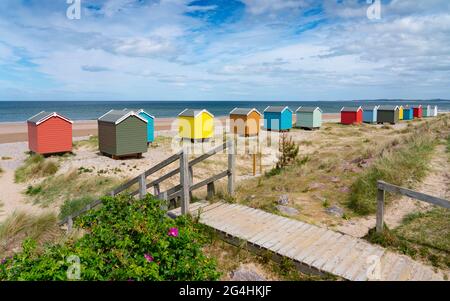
382	187
182	190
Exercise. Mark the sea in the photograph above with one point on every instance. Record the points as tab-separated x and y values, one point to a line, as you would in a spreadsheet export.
18	111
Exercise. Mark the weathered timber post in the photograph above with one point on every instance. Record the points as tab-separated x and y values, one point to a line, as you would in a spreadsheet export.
142	186
380	210
211	190
184	181
156	189
69	224
231	167
191	180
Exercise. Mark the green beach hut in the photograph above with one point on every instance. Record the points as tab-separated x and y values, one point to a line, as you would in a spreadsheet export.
389	114
122	133
309	117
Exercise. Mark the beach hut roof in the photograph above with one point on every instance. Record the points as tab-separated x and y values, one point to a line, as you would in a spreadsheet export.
43	116
117	116
308	109
194	113
276	109
139	112
243	111
417	106
388	108
370	107
351	109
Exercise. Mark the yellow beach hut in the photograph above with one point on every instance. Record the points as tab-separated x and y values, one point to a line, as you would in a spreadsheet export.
196	124
400	113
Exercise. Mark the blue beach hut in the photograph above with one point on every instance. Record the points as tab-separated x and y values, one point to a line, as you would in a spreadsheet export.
150	123
370	114
277	118
408	113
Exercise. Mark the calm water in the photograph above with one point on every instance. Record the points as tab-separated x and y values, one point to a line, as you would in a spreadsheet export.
88	110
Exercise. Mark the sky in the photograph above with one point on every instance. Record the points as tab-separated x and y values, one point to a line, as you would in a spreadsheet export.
280	50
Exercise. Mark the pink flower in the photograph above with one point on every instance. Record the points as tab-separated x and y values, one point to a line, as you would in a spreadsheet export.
148	257
173	232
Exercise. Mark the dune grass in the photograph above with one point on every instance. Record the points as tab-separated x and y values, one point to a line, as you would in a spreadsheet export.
403	166
35	166
422	235
91	143
72	206
72	185
20	226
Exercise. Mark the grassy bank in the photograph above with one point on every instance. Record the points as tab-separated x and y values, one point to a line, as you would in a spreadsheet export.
35	166
422	236
73	185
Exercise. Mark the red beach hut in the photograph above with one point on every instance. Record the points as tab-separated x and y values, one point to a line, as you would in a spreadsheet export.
49	133
351	115
418	111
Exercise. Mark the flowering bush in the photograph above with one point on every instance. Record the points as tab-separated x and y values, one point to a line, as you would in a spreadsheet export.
126	239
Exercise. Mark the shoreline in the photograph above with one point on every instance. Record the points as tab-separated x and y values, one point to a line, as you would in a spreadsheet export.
11	132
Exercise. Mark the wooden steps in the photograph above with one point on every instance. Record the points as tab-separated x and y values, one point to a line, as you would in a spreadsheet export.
312	247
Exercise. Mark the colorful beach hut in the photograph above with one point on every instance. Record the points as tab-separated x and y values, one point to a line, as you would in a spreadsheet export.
49	133
150	123
245	122
277	118
388	114
309	117
196	124
122	133
370	114
433	111
400	112
351	115
408	113
417	111
425	110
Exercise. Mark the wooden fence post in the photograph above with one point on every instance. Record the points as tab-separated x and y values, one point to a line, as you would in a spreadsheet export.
231	167
380	210
184	181
69	224
142	186
156	190
191	180
211	190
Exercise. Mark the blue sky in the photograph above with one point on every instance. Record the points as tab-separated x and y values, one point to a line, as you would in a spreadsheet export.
224	50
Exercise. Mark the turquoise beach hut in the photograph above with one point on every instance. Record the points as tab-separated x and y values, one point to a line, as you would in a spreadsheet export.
150	123
370	114
309	117
408	113
277	118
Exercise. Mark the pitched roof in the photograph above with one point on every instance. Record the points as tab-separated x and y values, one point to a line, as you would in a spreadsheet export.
276	109
351	109
387	108
308	109
417	106
243	111
117	116
370	107
193	113
139	112
43	116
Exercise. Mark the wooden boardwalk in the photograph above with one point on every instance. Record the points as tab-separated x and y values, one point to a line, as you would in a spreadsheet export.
313	249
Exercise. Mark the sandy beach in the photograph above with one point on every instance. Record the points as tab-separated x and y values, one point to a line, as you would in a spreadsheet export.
17	131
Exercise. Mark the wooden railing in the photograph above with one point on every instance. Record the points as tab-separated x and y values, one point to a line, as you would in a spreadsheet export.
182	191
383	187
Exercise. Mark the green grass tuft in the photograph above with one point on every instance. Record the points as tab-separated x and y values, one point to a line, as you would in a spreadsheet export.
72	206
35	166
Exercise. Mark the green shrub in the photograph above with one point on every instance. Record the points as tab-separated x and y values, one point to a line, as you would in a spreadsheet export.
31	190
72	206
35	166
126	239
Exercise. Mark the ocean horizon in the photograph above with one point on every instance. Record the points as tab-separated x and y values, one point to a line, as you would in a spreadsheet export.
19	111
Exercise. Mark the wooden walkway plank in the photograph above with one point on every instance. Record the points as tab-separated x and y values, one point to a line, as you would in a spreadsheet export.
310	246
